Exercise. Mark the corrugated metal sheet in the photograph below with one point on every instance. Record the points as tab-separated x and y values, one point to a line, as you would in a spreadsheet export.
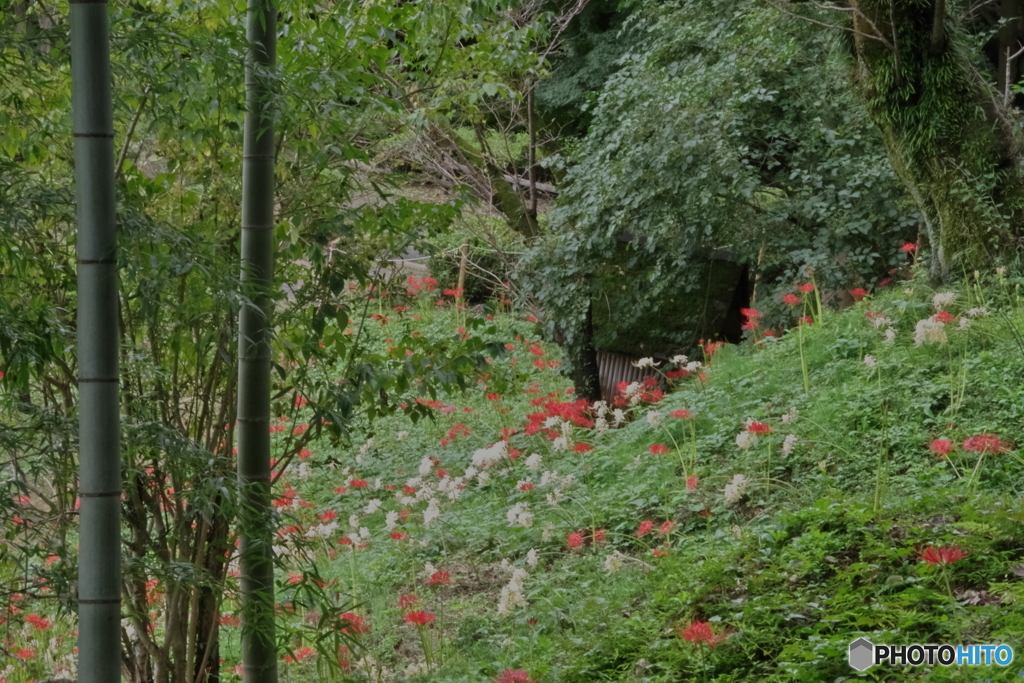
616	367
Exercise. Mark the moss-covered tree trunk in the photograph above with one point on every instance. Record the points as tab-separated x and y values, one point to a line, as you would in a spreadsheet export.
945	127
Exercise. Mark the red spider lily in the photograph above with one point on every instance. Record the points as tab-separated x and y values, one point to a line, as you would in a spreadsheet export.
493	397
582	448
407	601
527	486
399	535
531	318
300	401
409	490
806	288
659	552
941	446
574	540
599	535
701	633
537	351
440	578
711	347
682	414
327	515
750	313
305	453
666	527
300	429
791	299
25	654
806	320
858	293
908	247
677	373
38	622
345	540
645	527
514	676
419	618
691	482
985	443
441	473
356	624
945	317
359	483
942	555
658	449
340	489
759	428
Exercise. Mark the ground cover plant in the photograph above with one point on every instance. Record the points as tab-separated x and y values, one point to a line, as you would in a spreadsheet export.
730	524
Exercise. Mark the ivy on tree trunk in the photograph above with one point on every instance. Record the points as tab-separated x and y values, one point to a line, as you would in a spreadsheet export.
945	128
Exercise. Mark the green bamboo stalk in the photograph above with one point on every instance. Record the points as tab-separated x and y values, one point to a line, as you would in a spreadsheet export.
259	652
99	562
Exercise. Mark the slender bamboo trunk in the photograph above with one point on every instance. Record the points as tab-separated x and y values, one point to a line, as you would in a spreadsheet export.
99	564
259	656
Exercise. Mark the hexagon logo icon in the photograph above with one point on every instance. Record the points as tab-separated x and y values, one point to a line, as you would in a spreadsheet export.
862	654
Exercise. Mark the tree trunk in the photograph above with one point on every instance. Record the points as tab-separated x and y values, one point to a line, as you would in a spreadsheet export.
259	656
586	377
945	129
99	564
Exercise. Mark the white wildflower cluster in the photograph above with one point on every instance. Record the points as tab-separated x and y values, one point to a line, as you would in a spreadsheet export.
353	521
929	331
482	478
512	594
451	487
881	321
322	530
520	515
364	450
372	506
644	363
632	393
975	312
678	360
561	443
746	439
432	512
426	466
402	436
735	489
870	360
1001	270
965	323
654	418
554	497
548	532
601	410
301	471
788	443
790	416
531	558
618	417
488	457
391	520
548	477
693	366
890	335
614	562
943	299
534	462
